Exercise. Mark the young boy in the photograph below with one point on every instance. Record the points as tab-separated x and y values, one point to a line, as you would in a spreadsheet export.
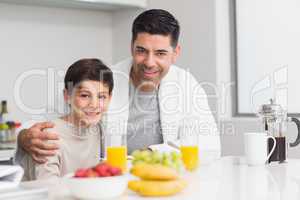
87	92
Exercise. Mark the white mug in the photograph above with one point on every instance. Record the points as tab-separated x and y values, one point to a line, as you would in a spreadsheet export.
256	148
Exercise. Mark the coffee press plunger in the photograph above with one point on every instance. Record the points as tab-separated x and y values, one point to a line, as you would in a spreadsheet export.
275	119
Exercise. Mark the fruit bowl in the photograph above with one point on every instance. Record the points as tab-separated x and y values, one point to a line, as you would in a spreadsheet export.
97	187
99	182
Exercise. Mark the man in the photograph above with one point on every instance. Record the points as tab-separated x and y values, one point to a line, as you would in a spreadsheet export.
154	101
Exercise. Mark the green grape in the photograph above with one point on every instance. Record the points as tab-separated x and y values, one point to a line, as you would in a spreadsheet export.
134	162
156	157
172	160
177	166
164	156
153	161
148	159
175	155
167	162
136	153
145	154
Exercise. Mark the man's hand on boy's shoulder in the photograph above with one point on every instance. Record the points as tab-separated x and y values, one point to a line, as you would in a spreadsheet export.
34	141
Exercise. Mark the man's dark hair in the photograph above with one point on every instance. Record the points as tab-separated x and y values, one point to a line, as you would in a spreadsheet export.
156	21
88	69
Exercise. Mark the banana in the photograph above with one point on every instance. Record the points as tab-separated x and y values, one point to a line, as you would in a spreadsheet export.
154	172
157	188
134	185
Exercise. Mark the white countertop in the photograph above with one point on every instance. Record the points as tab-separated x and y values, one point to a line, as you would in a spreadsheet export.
229	178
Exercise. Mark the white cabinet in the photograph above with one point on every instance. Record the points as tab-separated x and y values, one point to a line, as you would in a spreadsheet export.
109	5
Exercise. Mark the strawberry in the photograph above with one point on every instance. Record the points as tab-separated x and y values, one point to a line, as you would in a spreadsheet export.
91	173
105	173
115	171
80	173
102	169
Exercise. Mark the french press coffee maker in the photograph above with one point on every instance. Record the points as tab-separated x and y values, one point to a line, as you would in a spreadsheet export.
275	120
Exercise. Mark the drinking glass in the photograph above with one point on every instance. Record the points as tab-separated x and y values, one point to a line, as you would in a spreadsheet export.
189	150
116	151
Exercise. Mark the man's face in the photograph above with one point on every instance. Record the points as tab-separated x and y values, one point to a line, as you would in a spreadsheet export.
152	57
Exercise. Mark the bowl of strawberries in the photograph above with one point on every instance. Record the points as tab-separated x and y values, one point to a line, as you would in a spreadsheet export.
99	182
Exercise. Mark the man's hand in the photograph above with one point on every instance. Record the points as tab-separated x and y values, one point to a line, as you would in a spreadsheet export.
34	141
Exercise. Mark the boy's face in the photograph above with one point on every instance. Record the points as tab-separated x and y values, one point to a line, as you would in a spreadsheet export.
152	56
89	100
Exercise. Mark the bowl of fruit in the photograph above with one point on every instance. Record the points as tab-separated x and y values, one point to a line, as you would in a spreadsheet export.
99	182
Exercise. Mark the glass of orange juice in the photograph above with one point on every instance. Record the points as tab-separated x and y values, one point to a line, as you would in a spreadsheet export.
116	151
189	150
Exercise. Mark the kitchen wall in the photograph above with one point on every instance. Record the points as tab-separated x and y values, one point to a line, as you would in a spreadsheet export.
37	44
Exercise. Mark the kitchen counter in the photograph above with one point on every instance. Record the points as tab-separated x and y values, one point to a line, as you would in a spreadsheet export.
7	152
228	178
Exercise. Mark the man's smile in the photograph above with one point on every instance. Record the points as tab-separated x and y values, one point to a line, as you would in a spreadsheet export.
150	73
